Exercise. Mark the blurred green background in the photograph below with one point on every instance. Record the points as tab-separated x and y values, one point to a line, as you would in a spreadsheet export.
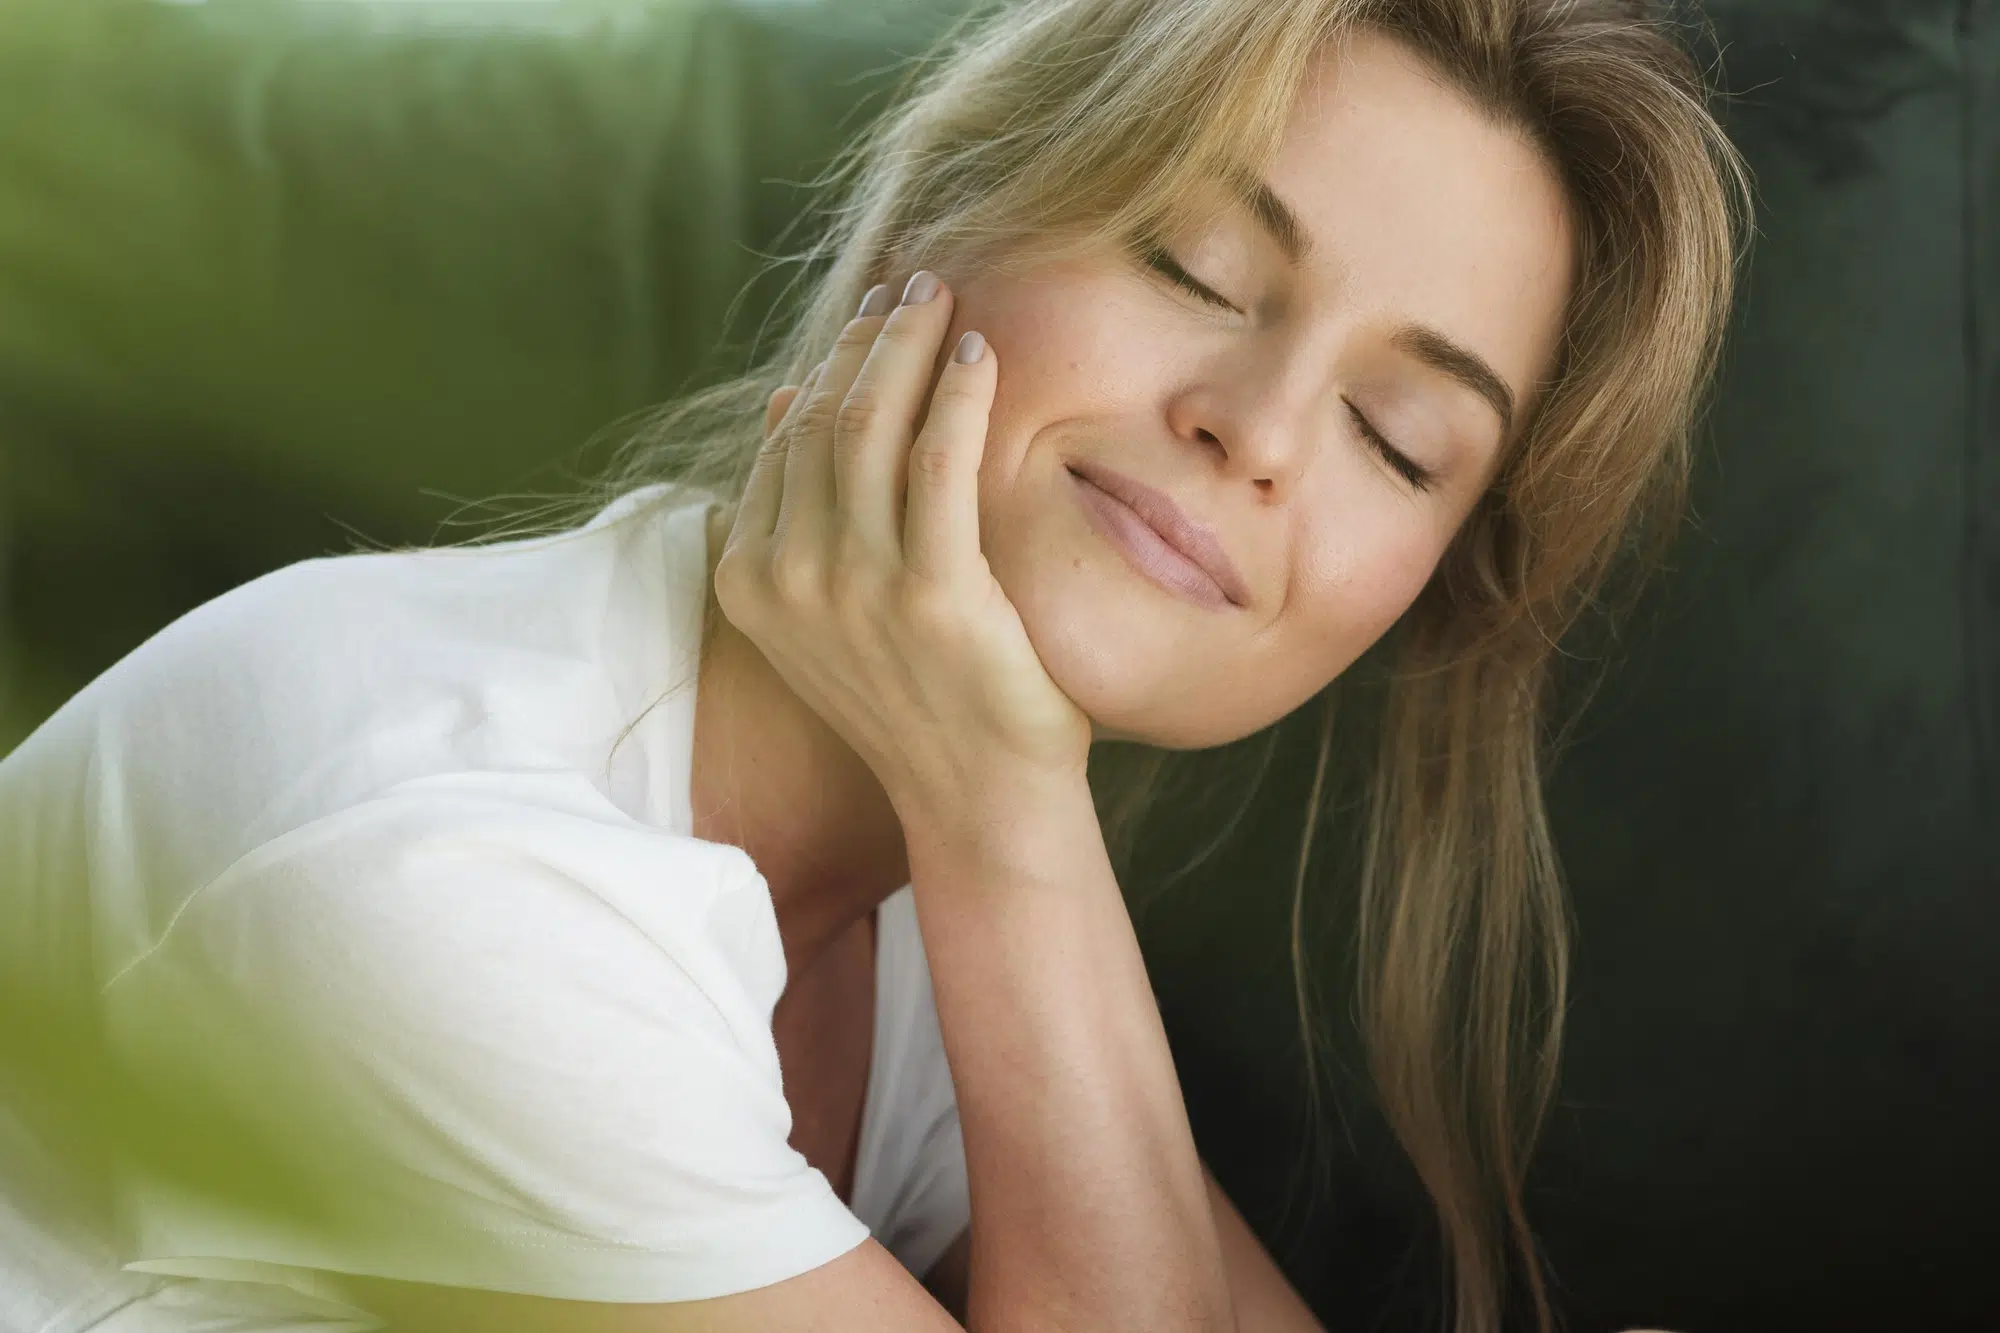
271	271
275	273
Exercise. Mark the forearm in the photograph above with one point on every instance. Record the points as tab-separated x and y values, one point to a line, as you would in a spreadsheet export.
1262	1296
1090	1206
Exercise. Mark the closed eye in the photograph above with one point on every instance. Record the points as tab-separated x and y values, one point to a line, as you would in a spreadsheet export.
1412	471
1159	260
1408	468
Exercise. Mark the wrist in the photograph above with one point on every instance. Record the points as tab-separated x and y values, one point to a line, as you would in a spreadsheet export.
1016	824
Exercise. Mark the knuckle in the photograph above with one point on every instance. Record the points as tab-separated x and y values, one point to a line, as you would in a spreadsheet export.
729	575
932	460
847	582
818	413
927	605
736	586
847	442
954	393
855	411
795	577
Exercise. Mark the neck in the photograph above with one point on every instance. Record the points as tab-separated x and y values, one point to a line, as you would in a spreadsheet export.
771	777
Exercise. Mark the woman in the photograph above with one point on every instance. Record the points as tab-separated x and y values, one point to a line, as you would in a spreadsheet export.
1235	337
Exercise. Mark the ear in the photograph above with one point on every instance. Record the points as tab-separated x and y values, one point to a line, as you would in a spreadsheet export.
774	411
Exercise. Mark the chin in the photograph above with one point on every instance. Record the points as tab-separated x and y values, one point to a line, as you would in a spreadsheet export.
1137	659
1121	655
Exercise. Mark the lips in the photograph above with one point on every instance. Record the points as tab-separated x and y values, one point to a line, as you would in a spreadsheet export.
1154	508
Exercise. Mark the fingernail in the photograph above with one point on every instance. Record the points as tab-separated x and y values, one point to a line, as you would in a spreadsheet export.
875	303
970	348
923	286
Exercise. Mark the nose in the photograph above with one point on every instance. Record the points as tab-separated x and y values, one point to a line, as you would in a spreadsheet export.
1260	422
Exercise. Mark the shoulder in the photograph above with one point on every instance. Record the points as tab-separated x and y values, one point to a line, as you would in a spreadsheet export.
509	1013
342	632
490	892
330	680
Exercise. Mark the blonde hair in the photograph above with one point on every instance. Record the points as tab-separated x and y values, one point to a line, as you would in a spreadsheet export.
1051	127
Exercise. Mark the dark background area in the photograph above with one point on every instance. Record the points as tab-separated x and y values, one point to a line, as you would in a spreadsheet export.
274	273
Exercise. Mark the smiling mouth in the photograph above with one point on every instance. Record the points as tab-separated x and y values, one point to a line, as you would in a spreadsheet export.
1151	554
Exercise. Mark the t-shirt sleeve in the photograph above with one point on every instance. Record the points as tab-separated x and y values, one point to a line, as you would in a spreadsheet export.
482	1031
936	1205
931	1202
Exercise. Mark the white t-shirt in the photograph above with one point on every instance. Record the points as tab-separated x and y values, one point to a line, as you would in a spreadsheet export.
357	854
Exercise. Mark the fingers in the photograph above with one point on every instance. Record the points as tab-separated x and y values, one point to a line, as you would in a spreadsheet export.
838	467
781	402
941	513
806	514
757	511
881	413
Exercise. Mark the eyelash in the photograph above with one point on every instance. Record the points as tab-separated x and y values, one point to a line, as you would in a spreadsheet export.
1412	471
1156	258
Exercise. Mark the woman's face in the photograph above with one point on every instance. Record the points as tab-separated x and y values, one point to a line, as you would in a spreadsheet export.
1429	298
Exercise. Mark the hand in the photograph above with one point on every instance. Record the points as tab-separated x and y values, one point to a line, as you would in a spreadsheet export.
854	565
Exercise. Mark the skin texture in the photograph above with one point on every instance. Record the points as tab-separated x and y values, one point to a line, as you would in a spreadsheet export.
1421	210
1424	212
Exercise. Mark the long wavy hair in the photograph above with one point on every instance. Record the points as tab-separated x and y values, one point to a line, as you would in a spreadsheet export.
1043	128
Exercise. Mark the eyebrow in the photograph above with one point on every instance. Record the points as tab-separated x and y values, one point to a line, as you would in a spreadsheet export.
1274	213
1440	353
1424	343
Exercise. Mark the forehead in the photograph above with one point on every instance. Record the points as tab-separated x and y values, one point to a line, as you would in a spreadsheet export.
1420	207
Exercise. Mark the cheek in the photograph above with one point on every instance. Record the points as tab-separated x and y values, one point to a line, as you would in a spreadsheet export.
1355	580
1070	346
